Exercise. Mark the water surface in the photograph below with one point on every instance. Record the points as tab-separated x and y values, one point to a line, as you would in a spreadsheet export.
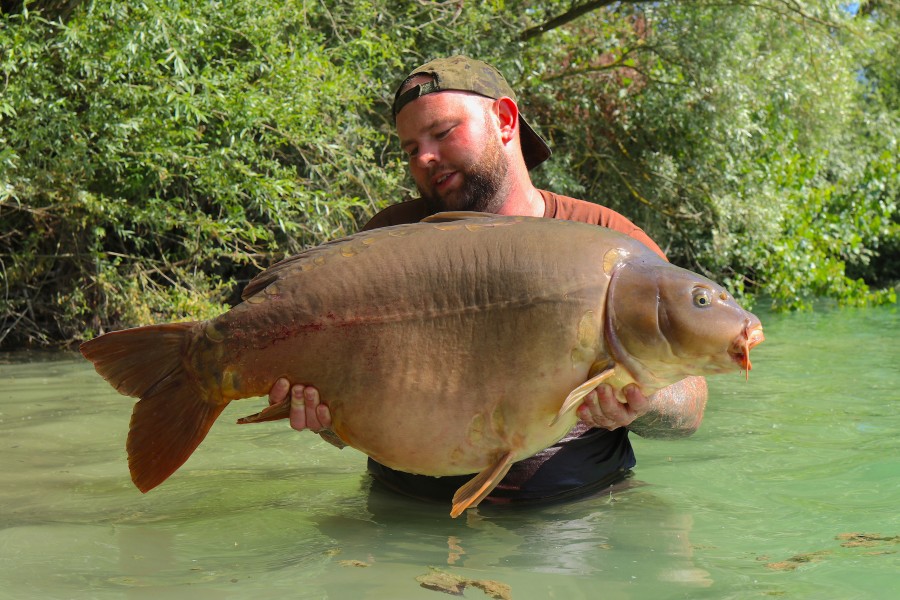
790	489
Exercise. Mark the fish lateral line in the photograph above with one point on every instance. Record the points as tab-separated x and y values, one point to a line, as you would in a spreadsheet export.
333	320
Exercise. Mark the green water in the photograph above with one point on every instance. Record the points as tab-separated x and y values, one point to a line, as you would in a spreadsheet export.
753	506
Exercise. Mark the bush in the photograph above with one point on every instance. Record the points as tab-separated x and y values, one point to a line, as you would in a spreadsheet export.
154	157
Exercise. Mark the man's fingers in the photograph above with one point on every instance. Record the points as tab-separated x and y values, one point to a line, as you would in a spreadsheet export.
311	403
638	403
590	409
279	392
596	410
298	408
324	416
307	410
601	408
318	417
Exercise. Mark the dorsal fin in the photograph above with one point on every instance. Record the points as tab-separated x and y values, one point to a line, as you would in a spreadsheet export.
264	278
273	273
456	215
276	271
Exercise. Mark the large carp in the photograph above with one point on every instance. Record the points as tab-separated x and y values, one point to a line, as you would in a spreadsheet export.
456	345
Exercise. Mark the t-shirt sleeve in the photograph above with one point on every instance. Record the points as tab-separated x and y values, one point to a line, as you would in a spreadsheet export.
620	223
572	209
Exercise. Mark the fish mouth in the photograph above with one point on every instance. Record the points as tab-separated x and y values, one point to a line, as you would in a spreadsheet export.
751	335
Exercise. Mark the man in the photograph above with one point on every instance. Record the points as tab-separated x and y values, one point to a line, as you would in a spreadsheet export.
470	149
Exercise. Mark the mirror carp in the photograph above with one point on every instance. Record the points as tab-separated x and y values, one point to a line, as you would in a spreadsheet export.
456	345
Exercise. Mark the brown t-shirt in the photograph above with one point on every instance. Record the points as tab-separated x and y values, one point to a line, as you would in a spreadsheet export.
555	207
587	459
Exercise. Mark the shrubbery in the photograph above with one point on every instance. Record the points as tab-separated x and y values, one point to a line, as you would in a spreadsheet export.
155	156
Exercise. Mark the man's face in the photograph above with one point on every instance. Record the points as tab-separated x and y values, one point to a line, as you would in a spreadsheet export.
455	153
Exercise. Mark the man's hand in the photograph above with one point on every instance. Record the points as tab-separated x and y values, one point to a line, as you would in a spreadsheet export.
307	410
601	408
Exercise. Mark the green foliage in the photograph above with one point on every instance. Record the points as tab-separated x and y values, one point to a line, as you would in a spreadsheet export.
155	155
834	228
750	140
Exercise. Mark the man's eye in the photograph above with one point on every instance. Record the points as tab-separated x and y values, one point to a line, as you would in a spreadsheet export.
442	134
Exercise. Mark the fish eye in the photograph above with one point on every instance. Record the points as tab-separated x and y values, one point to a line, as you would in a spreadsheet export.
702	298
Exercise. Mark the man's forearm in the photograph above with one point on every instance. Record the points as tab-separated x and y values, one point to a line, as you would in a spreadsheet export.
675	411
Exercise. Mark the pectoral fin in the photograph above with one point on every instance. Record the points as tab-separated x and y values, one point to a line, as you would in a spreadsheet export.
577	395
273	412
477	488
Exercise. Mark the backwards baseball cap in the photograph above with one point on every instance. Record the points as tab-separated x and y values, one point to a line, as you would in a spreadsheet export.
463	74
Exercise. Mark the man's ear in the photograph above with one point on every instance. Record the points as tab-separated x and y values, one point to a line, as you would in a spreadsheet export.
508	118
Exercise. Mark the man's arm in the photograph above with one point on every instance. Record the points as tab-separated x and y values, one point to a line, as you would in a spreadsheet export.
675	411
672	412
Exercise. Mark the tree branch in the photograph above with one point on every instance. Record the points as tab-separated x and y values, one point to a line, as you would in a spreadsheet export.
570	15
790	6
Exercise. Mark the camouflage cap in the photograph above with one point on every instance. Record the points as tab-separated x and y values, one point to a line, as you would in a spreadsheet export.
463	74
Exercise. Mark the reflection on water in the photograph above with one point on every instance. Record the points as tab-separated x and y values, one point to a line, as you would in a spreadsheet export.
753	506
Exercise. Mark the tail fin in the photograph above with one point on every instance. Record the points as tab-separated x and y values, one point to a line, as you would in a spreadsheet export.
174	412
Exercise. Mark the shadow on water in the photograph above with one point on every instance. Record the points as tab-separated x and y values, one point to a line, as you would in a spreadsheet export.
789	489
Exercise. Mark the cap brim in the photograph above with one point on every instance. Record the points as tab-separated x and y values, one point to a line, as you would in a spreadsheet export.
534	149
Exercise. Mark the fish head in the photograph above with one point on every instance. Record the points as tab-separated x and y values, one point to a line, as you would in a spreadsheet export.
665	323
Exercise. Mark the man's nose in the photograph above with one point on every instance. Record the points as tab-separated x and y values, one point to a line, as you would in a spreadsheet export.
426	157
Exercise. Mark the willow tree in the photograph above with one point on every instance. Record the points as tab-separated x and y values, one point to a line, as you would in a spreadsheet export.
154	156
757	142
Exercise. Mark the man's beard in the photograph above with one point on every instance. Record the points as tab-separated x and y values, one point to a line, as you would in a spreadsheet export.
481	186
